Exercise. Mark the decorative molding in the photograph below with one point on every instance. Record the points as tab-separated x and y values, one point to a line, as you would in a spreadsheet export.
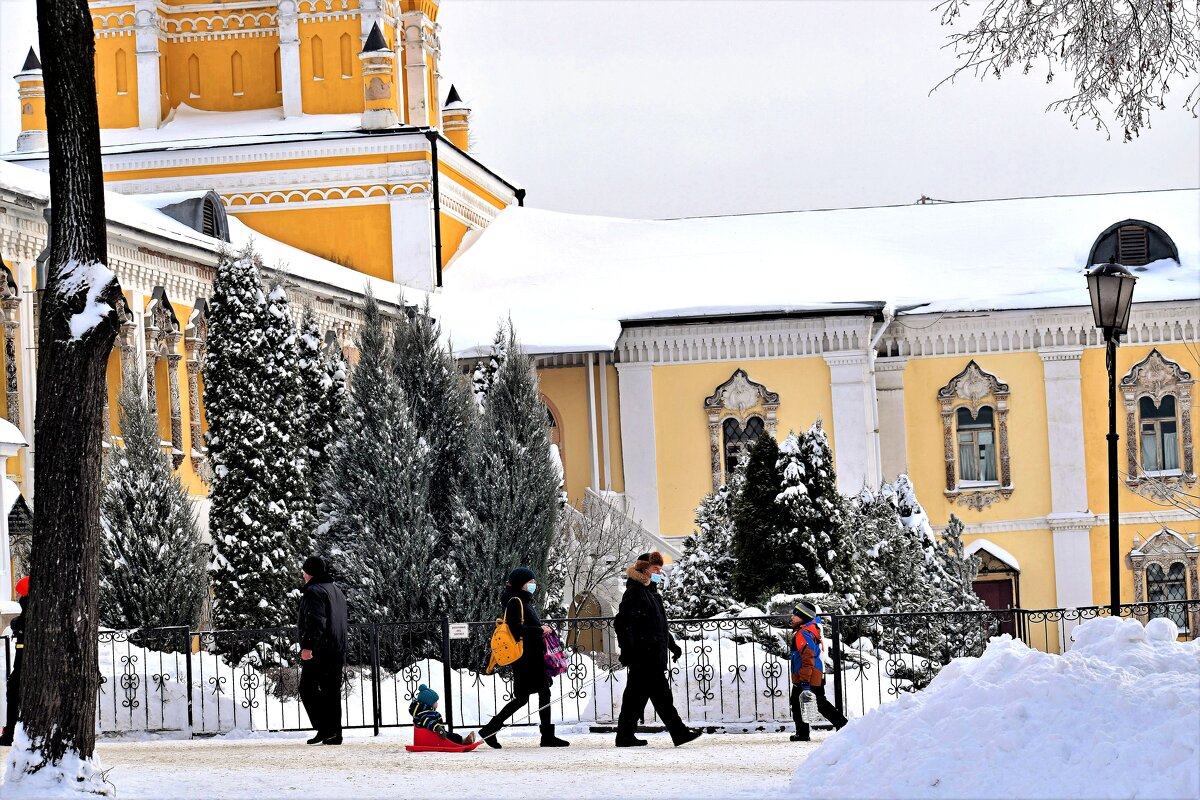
736	398
972	388
1158	377
673	343
1165	549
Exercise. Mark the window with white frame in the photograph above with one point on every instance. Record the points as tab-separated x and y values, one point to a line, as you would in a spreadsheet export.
976	435
1159	434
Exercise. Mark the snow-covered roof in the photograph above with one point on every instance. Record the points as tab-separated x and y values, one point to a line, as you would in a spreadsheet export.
141	212
568	280
11	437
993	549
12	493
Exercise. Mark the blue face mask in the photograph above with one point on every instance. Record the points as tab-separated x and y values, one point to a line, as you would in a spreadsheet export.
531	587
655	578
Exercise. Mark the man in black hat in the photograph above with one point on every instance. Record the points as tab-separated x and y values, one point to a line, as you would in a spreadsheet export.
645	640
808	670
323	632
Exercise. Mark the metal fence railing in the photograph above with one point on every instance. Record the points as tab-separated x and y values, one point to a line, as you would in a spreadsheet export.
733	672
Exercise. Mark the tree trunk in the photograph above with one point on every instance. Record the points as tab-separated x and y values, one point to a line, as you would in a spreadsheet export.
77	326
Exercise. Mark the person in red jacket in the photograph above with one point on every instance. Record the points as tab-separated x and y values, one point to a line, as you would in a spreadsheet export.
14	677
808	670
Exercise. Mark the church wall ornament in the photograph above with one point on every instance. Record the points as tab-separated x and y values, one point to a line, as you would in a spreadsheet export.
973	388
1157	378
738	398
1165	549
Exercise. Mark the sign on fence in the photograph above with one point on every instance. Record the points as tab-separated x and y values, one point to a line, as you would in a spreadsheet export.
460	630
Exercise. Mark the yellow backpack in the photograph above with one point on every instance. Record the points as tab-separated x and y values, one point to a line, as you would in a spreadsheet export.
505	647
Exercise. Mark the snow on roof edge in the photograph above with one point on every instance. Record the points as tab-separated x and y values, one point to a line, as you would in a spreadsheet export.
995	550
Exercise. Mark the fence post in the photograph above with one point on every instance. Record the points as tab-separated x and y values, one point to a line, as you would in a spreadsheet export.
836	658
187	650
376	705
446	673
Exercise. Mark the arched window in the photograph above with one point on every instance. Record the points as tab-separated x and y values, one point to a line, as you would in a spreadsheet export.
235	68
1160	434
194	76
318	58
278	73
976	445
738	437
122	73
1168	587
347	56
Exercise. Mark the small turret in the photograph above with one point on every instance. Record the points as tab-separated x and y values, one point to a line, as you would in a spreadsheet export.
31	92
456	120
379	91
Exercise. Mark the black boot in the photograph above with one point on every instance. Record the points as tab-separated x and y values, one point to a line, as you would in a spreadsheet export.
800	737
550	740
686	735
488	734
320	737
629	741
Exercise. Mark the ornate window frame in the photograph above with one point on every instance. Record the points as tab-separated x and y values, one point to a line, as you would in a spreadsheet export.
162	342
10	312
1164	549
972	389
195	343
1157	377
737	398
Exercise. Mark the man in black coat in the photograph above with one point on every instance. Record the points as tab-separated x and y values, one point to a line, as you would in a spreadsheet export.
645	640
14	677
323	631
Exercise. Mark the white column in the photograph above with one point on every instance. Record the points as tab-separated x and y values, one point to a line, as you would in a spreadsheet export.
289	58
593	446
415	68
638	456
149	87
1070	520
853	420
893	436
368	15
412	240
605	445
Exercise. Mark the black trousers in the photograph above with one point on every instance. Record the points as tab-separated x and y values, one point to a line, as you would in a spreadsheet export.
14	696
321	693
828	710
521	695
648	684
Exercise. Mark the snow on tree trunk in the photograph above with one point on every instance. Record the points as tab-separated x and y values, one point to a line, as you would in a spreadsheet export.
54	747
151	558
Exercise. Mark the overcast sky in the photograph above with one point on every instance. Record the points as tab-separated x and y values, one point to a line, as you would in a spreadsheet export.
666	109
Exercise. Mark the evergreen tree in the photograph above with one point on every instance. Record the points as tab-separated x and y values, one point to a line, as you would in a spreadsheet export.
516	501
761	527
700	580
323	383
377	529
258	541
151	556
447	422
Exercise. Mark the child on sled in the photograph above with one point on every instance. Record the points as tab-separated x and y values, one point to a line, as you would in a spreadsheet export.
425	715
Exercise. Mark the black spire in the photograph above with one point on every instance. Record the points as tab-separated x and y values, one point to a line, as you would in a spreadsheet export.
31	62
452	97
375	40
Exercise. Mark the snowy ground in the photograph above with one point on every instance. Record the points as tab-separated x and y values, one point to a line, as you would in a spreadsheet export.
717	765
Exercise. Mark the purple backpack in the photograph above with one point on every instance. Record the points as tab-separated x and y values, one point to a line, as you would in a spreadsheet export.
556	659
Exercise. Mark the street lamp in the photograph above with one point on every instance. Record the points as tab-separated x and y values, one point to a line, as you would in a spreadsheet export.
1111	288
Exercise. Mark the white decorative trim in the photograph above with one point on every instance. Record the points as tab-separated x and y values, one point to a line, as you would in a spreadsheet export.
1037	524
638	449
1064	429
742	341
737	398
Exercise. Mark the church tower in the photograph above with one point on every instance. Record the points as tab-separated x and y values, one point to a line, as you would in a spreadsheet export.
32	95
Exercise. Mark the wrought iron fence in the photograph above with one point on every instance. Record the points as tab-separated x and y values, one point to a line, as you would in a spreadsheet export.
733	672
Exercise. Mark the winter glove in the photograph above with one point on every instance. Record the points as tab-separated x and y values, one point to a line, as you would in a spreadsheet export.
676	652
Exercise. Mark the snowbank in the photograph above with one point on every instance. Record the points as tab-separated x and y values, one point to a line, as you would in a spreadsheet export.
1116	716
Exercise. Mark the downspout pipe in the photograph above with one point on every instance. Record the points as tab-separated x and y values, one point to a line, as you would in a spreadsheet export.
889	316
432	136
520	193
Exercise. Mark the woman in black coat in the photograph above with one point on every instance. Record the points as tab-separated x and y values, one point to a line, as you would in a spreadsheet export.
529	671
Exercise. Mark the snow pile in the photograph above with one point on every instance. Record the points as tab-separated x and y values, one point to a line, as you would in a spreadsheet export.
73	776
1116	716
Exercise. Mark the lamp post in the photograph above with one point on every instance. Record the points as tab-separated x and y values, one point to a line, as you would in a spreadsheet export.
1111	288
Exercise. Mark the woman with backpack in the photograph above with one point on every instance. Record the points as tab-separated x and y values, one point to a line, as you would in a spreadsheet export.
529	671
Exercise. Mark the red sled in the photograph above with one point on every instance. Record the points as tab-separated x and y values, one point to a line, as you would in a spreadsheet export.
426	741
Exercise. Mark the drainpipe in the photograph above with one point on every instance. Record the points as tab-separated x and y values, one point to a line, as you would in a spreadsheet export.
432	136
520	193
889	315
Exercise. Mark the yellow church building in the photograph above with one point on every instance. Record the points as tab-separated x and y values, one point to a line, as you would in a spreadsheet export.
949	342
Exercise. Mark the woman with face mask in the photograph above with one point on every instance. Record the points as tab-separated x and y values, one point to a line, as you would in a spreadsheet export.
529	671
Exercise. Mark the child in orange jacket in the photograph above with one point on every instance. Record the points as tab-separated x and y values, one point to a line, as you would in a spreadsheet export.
808	670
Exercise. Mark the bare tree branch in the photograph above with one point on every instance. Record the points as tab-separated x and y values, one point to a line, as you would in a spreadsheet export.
1123	54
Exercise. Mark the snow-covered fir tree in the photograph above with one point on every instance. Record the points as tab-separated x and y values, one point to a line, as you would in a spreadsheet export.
377	529
151	557
447	421
764	564
517	500
323	383
258	538
485	371
700	580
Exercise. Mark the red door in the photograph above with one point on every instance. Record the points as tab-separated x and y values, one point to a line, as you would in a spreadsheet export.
999	596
